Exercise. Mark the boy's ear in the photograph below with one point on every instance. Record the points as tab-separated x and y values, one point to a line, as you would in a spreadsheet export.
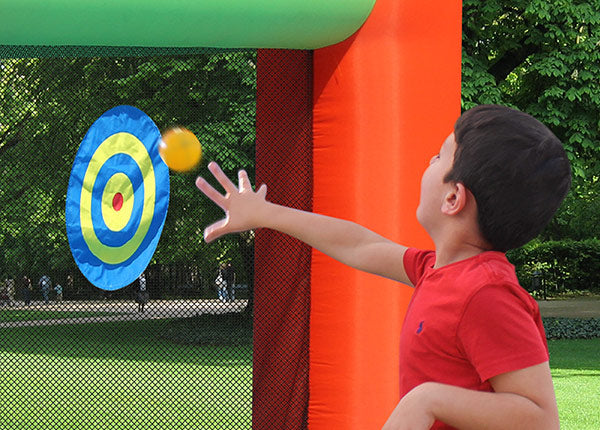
455	199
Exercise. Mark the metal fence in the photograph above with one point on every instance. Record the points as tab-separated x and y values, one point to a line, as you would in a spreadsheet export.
73	356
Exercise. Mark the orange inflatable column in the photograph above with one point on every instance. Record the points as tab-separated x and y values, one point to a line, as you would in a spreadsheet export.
384	101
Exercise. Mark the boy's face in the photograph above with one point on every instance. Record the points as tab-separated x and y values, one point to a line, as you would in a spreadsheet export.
433	187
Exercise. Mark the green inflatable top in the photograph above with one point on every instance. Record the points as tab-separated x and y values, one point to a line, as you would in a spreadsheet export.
291	24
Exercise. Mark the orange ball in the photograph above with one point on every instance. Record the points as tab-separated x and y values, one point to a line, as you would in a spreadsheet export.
180	149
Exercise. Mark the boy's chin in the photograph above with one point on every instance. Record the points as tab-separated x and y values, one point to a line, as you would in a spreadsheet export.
420	217
423	220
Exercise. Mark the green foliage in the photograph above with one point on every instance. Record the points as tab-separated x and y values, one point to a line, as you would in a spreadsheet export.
571	328
566	264
577	218
543	57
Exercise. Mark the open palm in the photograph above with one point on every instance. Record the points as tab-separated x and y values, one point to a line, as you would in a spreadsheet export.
243	207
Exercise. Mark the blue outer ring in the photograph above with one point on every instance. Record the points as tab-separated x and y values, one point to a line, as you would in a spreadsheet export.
101	274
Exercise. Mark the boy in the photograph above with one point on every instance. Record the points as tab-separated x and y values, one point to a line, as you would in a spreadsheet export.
473	353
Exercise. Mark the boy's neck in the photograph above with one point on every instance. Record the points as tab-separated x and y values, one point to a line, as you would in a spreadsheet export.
451	252
458	238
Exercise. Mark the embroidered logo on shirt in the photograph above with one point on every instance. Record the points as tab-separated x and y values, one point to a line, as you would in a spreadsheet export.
420	328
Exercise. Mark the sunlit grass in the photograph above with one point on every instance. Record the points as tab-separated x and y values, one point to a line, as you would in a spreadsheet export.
118	376
575	368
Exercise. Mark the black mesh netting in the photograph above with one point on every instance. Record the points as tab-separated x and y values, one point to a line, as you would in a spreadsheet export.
73	356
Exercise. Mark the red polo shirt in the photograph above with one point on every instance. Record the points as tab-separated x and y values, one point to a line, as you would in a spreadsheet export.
467	322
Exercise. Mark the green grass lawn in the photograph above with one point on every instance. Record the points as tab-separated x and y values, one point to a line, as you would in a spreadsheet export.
576	373
125	375
120	376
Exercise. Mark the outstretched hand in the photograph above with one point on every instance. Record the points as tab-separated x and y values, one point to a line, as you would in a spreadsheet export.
242	206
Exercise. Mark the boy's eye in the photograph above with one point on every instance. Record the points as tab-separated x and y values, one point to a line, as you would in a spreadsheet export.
435	157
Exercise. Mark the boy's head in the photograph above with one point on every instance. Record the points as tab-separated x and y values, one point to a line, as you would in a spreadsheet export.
516	169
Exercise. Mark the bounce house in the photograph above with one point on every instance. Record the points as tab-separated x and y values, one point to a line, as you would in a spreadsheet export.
363	92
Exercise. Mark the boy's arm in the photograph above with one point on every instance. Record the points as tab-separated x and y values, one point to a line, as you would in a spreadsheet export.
523	399
343	240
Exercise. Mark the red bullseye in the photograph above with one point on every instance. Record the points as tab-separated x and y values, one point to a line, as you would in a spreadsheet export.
117	202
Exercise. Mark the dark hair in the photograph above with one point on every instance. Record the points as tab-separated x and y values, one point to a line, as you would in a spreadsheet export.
516	168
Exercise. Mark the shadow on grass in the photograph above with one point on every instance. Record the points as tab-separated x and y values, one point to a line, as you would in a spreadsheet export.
591	374
575	354
16	315
216	340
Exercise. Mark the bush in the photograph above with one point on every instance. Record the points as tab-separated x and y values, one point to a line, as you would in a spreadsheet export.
571	328
564	265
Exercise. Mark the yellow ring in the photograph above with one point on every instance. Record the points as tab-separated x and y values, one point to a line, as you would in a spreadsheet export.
128	144
117	220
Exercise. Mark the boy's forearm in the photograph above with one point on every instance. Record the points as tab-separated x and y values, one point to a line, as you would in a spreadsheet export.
335	237
345	241
469	409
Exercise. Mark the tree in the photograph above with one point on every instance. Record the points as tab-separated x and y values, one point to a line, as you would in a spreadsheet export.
542	57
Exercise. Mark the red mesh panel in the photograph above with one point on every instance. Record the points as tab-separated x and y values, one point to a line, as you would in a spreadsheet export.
282	264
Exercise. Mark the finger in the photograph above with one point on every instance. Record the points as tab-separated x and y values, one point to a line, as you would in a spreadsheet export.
215	230
211	193
262	191
222	177
244	181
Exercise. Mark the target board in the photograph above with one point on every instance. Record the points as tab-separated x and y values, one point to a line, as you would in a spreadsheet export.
117	198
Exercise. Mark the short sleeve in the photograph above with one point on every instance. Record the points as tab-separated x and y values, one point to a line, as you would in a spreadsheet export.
416	262
501	331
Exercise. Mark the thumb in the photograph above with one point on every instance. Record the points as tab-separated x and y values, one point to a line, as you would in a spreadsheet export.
216	230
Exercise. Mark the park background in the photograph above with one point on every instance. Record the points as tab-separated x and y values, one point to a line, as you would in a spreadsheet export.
189	357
